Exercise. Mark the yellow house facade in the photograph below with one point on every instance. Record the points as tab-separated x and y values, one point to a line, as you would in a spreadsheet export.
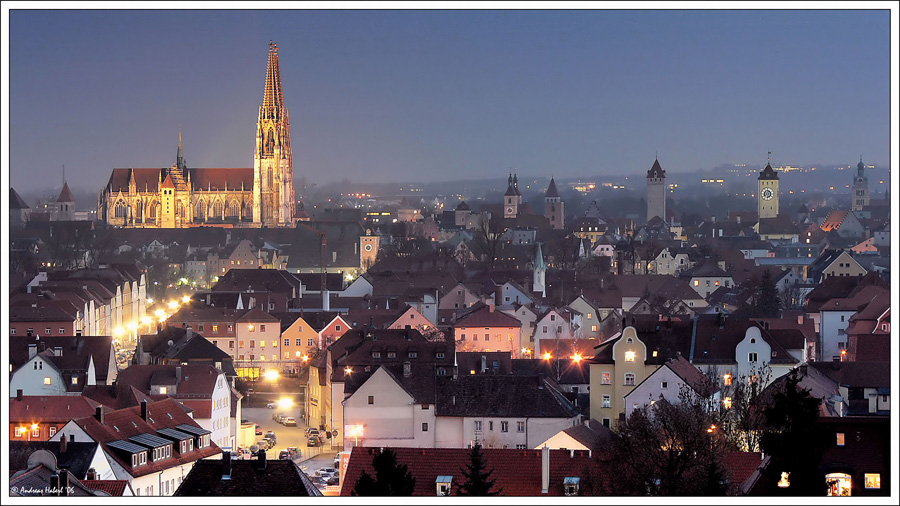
620	364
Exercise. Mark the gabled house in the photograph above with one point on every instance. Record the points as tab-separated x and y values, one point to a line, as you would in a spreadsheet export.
82	460
39	418
485	329
555	324
590	317
844	222
528	317
668	383
152	446
202	388
835	316
591	435
44	477
459	297
707	277
71	350
510	294
46	373
834	263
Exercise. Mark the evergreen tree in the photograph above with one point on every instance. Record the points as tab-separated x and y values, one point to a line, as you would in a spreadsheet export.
391	479
793	438
478	481
768	302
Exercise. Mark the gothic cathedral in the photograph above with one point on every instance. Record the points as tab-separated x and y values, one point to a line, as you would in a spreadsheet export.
181	197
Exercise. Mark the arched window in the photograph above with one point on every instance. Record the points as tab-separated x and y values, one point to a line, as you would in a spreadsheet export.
233	209
218	209
200	210
270	141
179	209
120	209
138	210
269	175
154	209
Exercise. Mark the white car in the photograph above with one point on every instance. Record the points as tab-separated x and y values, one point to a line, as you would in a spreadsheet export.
326	472
272	405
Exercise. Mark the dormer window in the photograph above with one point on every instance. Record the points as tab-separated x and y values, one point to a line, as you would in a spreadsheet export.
376	354
413	354
443	485
570	485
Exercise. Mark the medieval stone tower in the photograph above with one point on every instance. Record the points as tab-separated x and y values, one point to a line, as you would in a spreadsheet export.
656	191
273	180
512	199
860	188
767	197
554	207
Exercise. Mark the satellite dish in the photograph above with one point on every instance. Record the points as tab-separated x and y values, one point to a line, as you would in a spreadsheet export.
171	342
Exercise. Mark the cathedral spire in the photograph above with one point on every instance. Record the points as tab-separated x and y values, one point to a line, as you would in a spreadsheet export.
179	156
273	99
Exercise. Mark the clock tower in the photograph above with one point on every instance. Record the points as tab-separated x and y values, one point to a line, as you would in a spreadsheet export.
512	198
767	197
860	188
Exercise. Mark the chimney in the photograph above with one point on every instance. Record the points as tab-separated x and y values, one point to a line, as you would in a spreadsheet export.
32	350
483	364
177	375
54	484
63	482
261	460
98	414
407	372
144	409
326	301
226	465
540	381
18	394
800	319
490	308
63	443
57	350
188	333
545	469
91	474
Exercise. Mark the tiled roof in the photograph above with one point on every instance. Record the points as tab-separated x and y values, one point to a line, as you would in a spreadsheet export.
740	465
76	348
77	458
35	481
517	472
196	380
592	434
257	315
124	423
561	365
247	478
114	488
272	280
220	179
487	316
467	361
656	171
857	374
691	375
501	395
50	409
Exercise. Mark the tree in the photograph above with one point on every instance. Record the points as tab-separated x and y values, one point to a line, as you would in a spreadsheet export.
391	478
792	437
741	420
669	448
768	302
478	481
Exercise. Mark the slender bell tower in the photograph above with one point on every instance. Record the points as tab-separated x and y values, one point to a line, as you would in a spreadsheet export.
273	176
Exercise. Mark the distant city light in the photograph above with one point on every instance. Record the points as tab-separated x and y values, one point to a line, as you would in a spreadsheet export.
173	304
186	299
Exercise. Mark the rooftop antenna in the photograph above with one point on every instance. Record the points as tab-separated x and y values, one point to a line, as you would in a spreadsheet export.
64	171
769	158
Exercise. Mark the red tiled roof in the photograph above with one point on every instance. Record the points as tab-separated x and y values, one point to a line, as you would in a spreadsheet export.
517	472
488	317
740	466
115	488
50	409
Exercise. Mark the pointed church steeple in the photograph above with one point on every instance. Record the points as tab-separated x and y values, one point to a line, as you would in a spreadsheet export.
273	99
540	272
179	157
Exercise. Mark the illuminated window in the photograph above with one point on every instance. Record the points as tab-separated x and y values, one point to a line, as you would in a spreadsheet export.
593	328
46	380
696	282
727	379
727	402
36	432
839	484
605	379
215	328
629	356
74	380
607	402
163	390
873	480
19	431
840	439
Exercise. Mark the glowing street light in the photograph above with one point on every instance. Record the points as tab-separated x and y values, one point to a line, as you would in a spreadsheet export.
271	375
146	320
547	356
577	358
173	304
186	299
305	357
118	331
348	370
132	326
285	403
355	431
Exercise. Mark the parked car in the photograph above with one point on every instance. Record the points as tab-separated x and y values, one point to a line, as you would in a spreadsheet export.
284	455
271	435
312	432
326	472
259	430
334	480
319	482
262	444
313	441
289	421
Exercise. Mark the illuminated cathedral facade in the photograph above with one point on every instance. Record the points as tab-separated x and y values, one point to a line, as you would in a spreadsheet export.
180	197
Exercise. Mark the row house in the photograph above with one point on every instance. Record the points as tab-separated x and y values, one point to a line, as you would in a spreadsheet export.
669	382
495	411
707	278
527	316
153	446
485	329
553	325
39	418
202	388
242	256
836	314
182	346
282	289
38	315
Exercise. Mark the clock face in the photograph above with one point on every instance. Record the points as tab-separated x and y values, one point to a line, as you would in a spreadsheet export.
509	210
767	194
368	247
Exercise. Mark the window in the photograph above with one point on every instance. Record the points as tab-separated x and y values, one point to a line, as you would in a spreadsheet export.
873	480
62	330
629	378
19	431
727	402
52	431
287	342
441	372
392	354
262	328
504	426
371	399
727	379
46	380
439	354
376	354
242	343
491	426
309	342
520	426
607	402
545	329
839	484
590	315
477	425
231	344
413	354
752	356
425	406
12	331
200	328
593	328
230	328
629	356
840	439
520	447
606	422
215	328
262	343
274	343
696	282
604	379
424	426
337	328
665	385
36	432
47	330
274	357
253	343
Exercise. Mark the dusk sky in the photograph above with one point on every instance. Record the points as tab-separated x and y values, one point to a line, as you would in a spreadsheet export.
445	95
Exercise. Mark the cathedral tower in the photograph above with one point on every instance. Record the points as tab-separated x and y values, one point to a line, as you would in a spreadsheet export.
554	207
656	191
860	188
273	177
767	197
512	199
